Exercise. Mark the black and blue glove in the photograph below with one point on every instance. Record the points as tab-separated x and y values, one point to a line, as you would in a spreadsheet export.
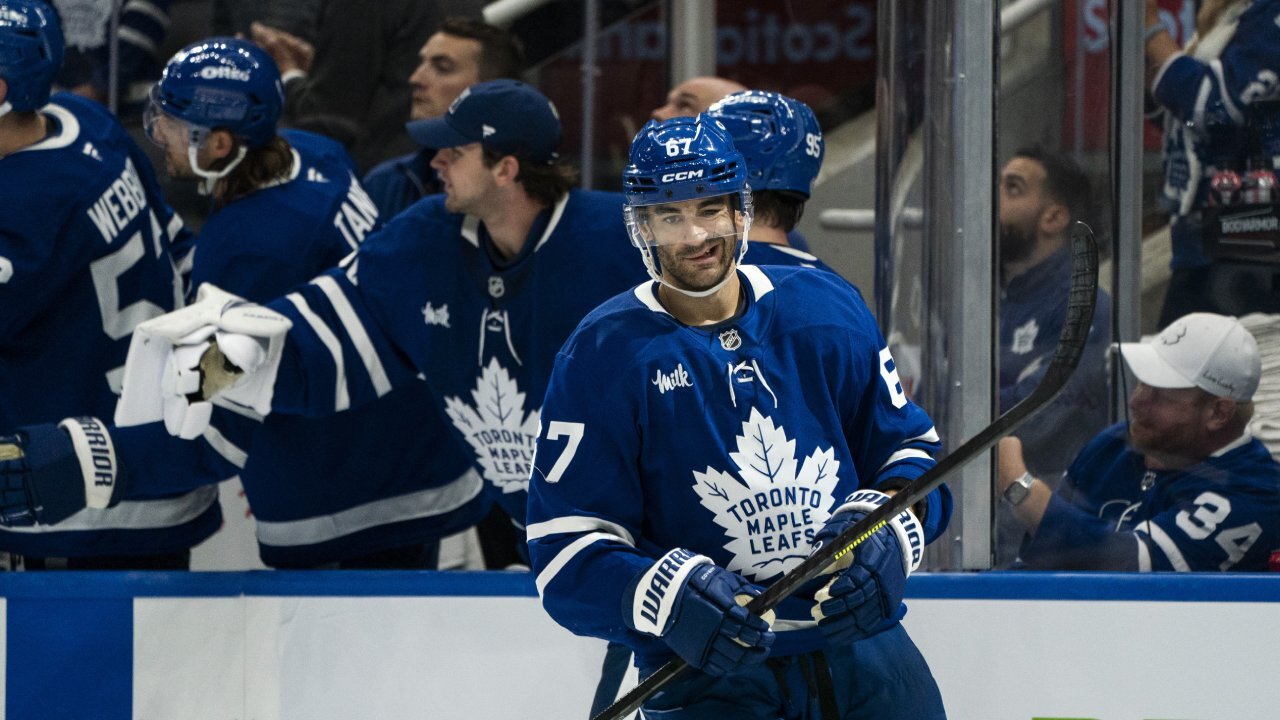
697	608
50	472
865	595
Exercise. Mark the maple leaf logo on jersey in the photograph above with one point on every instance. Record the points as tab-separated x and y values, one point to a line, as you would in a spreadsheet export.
498	428
1024	338
769	510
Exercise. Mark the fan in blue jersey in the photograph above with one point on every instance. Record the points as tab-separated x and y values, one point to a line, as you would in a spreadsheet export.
1182	486
702	433
781	142
1041	196
287	208
1219	106
474	290
85	255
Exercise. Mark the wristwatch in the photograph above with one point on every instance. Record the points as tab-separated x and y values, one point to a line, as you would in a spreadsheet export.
1019	489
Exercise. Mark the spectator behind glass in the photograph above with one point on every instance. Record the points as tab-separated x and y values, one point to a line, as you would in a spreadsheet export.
350	84
296	17
695	95
1181	486
1041	195
461	53
1211	95
86	67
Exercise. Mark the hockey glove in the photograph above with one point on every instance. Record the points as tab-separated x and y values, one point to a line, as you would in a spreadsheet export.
218	345
50	472
696	607
865	595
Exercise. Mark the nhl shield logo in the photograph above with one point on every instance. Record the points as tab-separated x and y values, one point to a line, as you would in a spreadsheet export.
497	288
730	339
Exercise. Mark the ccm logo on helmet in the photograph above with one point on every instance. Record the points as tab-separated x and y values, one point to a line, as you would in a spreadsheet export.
212	72
686	175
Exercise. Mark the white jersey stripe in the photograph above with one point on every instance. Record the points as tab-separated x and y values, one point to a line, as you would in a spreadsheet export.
1166	545
1144	554
903	455
577	524
341	400
355	330
224	447
565	556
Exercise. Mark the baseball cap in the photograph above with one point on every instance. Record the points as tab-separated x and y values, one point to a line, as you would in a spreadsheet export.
1212	352
504	115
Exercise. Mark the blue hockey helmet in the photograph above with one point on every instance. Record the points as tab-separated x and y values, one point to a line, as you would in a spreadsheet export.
778	136
223	83
675	161
681	159
31	47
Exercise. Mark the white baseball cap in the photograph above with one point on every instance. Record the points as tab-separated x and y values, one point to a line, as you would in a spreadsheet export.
1212	352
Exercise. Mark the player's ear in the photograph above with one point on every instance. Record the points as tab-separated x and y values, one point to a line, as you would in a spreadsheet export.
1221	412
219	144
507	169
1054	219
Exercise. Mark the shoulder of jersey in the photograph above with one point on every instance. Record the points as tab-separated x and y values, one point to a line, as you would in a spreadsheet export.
86	148
618	320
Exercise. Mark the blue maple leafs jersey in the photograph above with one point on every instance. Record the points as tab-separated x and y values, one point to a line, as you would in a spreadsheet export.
85	255
298	477
762	253
1110	513
425	296
735	441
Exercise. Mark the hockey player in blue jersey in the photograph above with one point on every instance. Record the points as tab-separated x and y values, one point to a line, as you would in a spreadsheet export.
781	142
287	208
85	254
474	290
701	433
1182	486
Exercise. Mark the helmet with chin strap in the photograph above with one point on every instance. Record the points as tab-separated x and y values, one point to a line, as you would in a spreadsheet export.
31	47
678	160
221	83
778	136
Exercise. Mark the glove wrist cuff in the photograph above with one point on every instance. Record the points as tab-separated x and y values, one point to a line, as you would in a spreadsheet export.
97	457
904	525
658	589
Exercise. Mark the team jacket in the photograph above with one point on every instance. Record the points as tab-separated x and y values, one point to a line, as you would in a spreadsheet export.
424	296
1210	111
85	255
324	489
1033	309
1111	513
735	441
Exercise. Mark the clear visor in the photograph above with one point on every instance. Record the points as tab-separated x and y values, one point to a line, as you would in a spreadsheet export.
688	222
165	130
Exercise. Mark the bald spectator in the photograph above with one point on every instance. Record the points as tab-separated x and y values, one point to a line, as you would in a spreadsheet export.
695	95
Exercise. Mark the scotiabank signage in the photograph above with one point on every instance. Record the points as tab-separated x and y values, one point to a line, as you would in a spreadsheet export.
1086	44
812	51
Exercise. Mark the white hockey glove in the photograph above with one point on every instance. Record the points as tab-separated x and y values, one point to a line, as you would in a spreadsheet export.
218	346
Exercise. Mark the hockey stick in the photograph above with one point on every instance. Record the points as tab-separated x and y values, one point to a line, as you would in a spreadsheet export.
1075	331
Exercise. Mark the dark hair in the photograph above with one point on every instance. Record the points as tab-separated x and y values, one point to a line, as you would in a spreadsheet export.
545	183
261	166
1064	181
778	208
501	53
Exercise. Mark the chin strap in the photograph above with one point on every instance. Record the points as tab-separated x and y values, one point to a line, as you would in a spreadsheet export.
5	108
209	178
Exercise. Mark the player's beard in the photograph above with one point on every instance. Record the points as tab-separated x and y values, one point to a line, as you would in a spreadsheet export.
1016	243
680	273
